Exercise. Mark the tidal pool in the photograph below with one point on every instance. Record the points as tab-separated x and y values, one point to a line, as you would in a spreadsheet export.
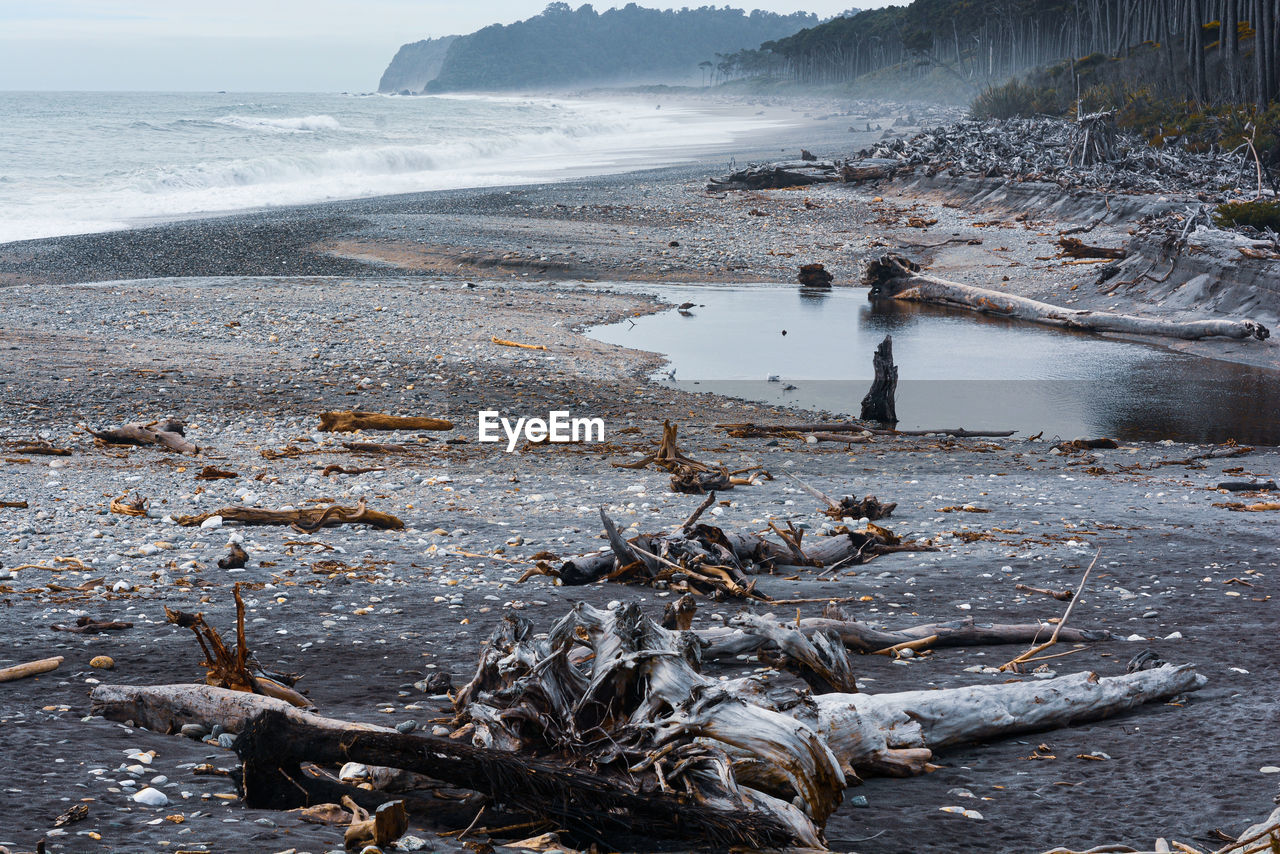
956	369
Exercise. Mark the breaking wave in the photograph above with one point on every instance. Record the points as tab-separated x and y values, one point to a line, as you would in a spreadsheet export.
293	124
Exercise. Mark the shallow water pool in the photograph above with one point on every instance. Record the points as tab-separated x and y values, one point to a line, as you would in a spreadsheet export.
956	369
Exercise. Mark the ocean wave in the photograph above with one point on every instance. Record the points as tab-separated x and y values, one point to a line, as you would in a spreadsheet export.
290	124
375	161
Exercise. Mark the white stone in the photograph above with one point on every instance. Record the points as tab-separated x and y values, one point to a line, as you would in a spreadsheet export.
151	797
211	523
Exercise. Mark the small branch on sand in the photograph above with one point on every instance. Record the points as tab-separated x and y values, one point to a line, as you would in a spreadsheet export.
1057	630
505	343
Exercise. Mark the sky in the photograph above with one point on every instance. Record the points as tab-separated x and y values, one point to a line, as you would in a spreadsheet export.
253	45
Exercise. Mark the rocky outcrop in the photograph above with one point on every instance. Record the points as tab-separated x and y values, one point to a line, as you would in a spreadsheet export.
415	65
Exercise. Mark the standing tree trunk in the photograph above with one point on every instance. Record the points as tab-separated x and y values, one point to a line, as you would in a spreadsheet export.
879	403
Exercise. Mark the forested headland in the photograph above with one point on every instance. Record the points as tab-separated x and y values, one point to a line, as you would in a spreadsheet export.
563	46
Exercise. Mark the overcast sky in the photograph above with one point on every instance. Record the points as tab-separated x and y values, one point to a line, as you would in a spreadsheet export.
252	45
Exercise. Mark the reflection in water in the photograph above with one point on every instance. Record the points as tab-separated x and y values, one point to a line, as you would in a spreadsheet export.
957	368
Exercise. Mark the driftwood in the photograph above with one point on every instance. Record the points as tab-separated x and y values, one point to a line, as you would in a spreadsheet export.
86	625
1247	485
865	638
306	521
230	668
30	668
895	277
1075	248
814	276
668	457
13	505
772	176
349	422
606	725
236	558
170	434
37	447
388	823
748	430
706	559
137	506
849	507
215	473
879	403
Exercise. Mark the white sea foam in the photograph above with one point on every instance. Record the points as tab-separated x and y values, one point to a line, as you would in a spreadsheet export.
76	176
291	124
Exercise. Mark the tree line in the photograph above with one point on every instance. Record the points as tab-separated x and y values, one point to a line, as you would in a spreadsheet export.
1209	51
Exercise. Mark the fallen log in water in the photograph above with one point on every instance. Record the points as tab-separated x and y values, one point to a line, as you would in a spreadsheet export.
895	277
606	724
747	430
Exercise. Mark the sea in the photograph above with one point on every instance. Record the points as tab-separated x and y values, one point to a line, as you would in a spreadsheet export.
82	162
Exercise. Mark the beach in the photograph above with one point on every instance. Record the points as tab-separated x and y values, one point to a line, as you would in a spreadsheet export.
250	325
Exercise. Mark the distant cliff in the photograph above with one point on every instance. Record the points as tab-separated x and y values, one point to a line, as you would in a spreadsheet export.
415	65
568	47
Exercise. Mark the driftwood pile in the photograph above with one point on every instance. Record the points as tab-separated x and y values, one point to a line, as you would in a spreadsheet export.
1062	152
687	474
606	728
705	559
776	176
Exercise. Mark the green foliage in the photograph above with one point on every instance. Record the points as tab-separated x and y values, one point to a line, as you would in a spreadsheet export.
1260	215
566	46
1012	100
1119	83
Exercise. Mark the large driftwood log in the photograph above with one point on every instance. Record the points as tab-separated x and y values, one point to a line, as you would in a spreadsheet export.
170	434
738	638
896	277
349	422
306	520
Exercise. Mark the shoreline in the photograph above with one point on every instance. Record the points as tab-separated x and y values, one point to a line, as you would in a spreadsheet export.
270	318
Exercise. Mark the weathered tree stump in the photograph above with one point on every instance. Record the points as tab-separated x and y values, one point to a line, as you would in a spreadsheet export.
879	403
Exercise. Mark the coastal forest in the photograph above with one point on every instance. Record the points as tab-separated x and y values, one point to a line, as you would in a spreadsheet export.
564	46
1201	49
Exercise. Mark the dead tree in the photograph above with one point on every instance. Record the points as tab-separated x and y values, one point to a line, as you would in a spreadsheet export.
879	403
